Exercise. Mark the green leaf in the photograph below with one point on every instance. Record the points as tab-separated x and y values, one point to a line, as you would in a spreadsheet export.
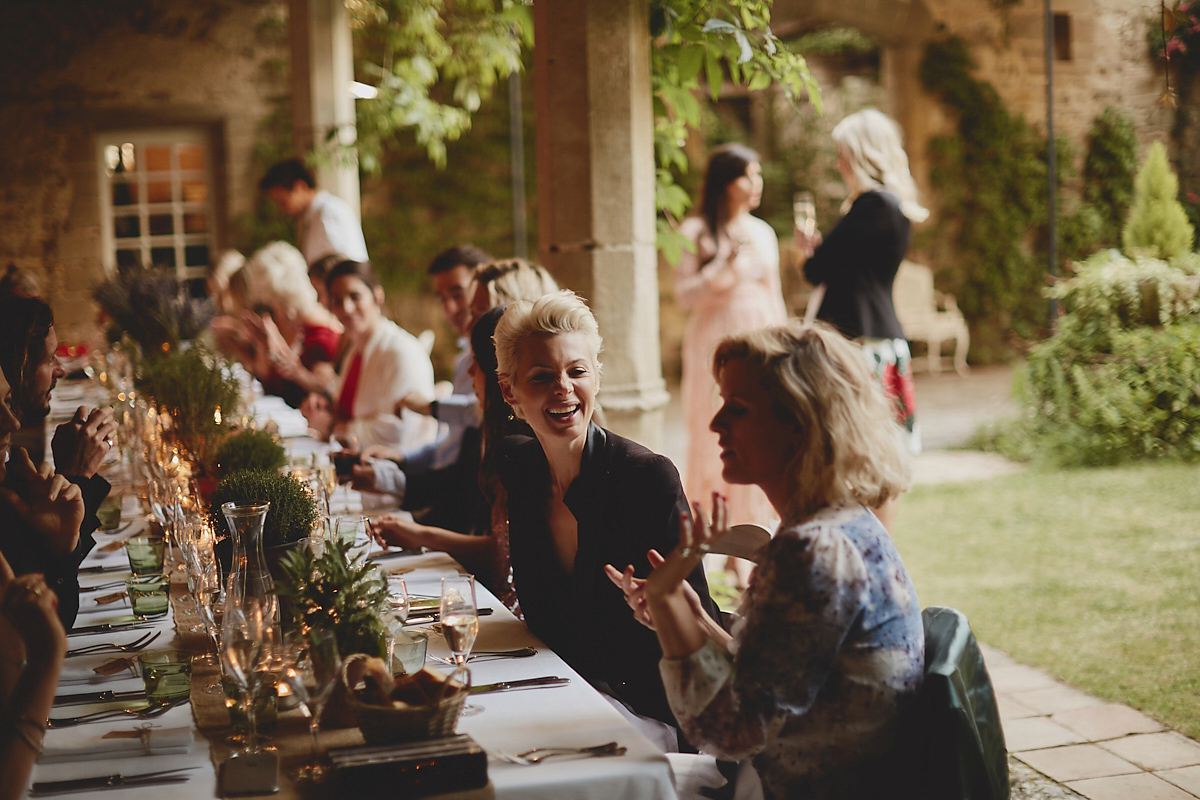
689	63
719	26
712	70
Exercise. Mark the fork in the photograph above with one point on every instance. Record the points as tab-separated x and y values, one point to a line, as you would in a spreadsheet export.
540	754
150	712
137	645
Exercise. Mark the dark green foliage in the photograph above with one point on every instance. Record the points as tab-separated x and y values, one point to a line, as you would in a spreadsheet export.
191	385
991	177
151	307
1108	172
250	449
338	593
293	508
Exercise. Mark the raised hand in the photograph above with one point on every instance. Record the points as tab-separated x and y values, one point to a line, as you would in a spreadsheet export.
398	531
80	444
53	506
31	607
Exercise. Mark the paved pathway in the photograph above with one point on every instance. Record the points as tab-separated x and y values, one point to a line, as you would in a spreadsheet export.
1062	742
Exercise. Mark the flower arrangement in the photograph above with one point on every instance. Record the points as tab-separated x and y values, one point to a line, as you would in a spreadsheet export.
152	308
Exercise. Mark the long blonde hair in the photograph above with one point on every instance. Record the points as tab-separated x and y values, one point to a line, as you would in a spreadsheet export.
871	143
819	382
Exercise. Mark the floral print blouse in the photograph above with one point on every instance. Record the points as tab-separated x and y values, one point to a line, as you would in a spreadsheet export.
827	654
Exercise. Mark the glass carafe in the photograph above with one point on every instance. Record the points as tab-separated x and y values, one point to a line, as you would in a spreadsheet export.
250	578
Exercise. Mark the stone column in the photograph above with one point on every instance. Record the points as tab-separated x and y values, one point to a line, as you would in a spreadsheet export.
595	173
322	69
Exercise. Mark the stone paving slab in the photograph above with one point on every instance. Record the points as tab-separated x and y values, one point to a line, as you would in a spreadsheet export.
1019	678
1011	709
1107	721
1156	751
1142	786
1055	699
1187	778
1076	762
1036	733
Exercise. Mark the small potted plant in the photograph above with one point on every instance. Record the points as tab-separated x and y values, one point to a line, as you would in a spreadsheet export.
335	592
291	518
249	449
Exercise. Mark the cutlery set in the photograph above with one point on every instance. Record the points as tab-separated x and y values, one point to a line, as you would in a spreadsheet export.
525	683
149	712
490	655
108	627
136	646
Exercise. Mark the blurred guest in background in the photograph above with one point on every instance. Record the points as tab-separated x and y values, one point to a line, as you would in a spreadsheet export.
324	223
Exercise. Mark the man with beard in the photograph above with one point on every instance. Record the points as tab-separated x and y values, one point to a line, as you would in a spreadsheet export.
32	368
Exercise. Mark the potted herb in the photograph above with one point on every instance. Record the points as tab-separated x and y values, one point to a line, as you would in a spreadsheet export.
247	450
199	393
334	592
291	518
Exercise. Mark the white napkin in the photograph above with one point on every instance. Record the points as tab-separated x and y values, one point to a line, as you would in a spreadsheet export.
82	669
86	743
693	773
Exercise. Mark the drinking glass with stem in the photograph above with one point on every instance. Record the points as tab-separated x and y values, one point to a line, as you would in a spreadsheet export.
311	669
460	623
247	632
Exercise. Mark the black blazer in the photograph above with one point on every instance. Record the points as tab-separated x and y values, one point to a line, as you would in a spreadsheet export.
857	262
626	501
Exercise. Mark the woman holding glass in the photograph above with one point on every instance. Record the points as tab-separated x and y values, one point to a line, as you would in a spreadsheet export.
380	363
828	651
858	261
730	283
580	497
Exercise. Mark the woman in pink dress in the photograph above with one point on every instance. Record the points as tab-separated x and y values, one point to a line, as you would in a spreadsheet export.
730	284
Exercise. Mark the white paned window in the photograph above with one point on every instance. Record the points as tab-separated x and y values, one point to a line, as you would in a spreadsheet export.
156	193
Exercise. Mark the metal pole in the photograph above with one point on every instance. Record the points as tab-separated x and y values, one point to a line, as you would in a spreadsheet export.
1051	165
516	139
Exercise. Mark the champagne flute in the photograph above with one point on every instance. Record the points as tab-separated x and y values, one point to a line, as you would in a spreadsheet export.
248	638
804	213
460	626
459	615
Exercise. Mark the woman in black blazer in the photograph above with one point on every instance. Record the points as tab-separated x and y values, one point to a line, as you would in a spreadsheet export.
580	497
857	262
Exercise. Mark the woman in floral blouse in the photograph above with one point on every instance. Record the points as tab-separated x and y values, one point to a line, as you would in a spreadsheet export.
828	652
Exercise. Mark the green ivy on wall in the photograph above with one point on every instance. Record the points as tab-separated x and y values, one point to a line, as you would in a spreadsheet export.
991	179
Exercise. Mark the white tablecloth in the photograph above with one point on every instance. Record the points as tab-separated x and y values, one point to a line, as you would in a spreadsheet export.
573	715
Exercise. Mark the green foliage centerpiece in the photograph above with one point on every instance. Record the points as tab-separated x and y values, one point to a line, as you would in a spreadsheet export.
198	391
335	592
293	509
249	450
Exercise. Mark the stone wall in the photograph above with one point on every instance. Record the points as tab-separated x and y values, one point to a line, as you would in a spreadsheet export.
122	65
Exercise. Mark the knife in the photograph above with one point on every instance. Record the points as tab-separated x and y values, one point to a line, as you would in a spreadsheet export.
108	627
433	615
97	697
407	551
99	569
46	788
524	683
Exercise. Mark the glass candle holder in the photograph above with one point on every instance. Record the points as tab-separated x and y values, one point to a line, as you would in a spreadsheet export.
148	595
146	554
167	674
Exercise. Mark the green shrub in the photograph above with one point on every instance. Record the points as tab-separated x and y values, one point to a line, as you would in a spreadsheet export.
1158	226
250	449
1120	378
1108	171
293	508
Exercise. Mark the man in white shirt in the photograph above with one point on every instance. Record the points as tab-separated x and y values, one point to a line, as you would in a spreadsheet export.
324	223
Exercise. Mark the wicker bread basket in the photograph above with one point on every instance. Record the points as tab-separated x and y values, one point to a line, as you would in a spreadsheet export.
399	722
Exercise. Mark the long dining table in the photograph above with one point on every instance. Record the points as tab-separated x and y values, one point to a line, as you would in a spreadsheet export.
193	736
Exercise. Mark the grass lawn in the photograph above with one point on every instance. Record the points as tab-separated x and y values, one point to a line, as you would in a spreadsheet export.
1092	575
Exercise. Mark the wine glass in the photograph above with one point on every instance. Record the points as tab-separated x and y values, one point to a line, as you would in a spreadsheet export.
459	615
395	615
245	632
311	671
354	532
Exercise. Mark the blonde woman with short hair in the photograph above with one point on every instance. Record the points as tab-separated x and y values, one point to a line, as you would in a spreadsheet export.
858	261
828	653
580	497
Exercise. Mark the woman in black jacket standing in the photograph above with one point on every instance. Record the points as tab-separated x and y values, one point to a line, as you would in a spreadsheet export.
857	262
